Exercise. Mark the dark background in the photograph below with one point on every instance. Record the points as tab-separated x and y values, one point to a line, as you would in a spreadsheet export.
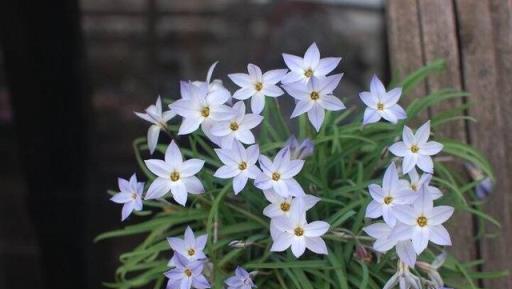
71	75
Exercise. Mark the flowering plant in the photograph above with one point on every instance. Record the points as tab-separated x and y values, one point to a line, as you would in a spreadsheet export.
233	199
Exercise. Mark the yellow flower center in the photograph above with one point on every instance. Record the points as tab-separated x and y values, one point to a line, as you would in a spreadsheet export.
414	148
413	187
276	176
258	86
134	196
422	221
380	106
388	200
308	72
191	252
298	231
188	272
205	111
314	95
175	176
242	166
234	126
285	207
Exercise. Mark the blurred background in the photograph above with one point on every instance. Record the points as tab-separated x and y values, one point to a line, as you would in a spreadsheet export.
73	72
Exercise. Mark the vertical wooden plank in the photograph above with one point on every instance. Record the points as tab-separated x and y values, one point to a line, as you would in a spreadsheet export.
404	42
439	35
480	74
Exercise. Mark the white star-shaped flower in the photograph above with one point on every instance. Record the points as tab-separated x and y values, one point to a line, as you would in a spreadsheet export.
241	280
314	97
159	119
416	150
238	127
199	106
302	69
190	247
382	104
130	194
278	175
383	243
186	274
422	223
387	198
280	206
297	233
416	182
256	85
239	164
175	175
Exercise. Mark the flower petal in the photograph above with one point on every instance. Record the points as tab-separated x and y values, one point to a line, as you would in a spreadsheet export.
431	148
153	133
298	246
244	93
257	103
293	62
158	188
423	133
370	116
193	185
158	167
191	167
373	210
301	107
312	56
240	79
173	155
239	183
326	65
274	76
316	116
425	164
398	149
282	242
440	236
316	229
440	215
420	239
317	245
330	102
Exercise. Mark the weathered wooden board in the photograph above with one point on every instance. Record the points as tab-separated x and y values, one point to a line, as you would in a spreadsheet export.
439	40
475	38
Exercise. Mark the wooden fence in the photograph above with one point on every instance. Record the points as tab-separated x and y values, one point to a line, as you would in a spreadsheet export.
475	39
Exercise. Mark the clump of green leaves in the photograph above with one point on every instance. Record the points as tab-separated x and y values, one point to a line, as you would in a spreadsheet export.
347	158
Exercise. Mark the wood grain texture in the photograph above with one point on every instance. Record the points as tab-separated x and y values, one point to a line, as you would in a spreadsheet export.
439	40
404	41
481	72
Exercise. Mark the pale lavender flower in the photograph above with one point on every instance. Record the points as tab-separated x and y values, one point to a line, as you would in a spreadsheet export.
416	150
302	69
299	151
175	175
389	197
382	104
159	119
239	164
237	127
130	194
314	97
384	242
295	232
241	280
279	174
280	206
186	274
485	184
422	223
199	106
416	182
256	85
190	247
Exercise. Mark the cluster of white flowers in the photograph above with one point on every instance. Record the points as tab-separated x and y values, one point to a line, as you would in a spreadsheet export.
406	206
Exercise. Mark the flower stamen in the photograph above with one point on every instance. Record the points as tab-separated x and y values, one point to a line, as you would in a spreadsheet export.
415	148
380	106
314	95
308	72
388	200
234	126
276	176
258	86
242	166
205	111
175	176
191	252
285	207
188	272
298	231
422	221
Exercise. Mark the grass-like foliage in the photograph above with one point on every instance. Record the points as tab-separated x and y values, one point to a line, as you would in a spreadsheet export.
347	158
